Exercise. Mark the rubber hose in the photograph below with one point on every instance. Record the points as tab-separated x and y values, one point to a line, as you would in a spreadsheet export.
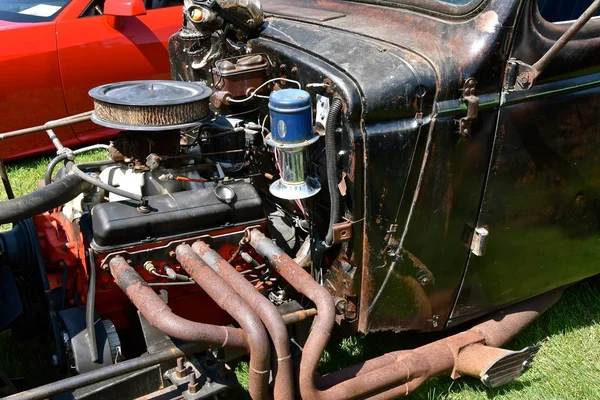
54	195
96	182
96	164
50	169
332	178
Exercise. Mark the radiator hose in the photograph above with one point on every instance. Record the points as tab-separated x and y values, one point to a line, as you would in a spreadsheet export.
42	200
332	178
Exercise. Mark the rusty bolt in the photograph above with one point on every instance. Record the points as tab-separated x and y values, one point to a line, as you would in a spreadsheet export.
180	371
295	70
282	67
341	305
172	254
525	78
193	385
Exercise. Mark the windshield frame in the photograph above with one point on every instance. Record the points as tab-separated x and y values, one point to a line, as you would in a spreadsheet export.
438	7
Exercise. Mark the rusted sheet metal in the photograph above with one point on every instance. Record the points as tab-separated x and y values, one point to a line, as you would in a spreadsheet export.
397	113
266	311
160	315
230	301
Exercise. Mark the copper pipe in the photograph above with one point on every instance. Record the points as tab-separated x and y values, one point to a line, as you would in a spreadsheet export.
230	301
160	315
266	311
399	373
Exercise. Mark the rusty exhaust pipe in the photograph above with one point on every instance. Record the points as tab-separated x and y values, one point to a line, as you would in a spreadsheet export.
230	301
305	284
472	353
161	317
266	311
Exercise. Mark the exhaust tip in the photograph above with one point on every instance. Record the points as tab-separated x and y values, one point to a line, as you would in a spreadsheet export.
509	367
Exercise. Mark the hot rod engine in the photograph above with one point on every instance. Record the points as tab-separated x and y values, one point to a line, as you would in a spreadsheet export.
237	203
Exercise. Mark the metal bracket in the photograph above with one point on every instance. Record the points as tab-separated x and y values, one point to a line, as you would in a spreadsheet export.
342	232
323	105
519	76
472	102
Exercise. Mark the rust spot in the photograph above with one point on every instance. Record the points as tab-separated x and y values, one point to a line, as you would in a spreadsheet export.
488	22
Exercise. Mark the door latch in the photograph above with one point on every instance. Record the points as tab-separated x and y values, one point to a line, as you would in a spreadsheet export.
472	101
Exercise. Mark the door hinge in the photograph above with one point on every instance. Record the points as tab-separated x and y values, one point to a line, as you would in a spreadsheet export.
518	76
472	101
480	241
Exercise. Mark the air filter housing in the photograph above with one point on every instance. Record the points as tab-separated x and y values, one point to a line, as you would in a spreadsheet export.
150	105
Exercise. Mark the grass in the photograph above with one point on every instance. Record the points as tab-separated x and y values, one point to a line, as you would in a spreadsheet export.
567	367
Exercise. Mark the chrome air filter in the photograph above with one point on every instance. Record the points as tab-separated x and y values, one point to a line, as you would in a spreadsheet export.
150	105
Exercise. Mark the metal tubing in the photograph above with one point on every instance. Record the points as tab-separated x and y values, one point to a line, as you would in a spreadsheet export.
6	181
266	311
298	316
305	284
160	315
394	374
97	182
72	120
55	141
230	301
102	374
463	354
504	325
556	48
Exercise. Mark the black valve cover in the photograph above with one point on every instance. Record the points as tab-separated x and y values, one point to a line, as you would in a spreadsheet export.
119	224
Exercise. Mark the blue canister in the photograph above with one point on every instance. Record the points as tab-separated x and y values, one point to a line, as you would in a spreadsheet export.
291	116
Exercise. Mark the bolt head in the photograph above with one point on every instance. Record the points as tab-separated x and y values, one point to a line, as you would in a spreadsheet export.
341	306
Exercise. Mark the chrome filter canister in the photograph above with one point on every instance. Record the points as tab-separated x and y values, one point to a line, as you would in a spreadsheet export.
291	134
150	105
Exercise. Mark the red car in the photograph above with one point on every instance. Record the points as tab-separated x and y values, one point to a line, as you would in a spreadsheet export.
53	52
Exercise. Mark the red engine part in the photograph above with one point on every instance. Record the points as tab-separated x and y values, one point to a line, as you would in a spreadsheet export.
66	256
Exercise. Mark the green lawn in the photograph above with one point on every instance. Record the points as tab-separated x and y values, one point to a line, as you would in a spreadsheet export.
567	367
